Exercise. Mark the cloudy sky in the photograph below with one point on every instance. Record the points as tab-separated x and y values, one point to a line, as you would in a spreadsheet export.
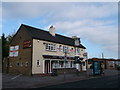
96	23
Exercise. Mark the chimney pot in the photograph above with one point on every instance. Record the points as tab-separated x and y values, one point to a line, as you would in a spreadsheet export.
52	30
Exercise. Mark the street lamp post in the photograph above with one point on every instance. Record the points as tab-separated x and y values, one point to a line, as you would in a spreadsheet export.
87	63
65	58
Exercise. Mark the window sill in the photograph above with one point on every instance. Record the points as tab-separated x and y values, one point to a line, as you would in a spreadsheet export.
50	50
38	65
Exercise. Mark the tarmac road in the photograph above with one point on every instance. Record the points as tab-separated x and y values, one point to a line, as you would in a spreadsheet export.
102	82
21	81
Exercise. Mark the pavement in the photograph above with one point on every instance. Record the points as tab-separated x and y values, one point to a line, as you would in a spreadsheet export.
20	81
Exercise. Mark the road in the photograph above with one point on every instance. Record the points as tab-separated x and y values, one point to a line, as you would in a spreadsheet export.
102	82
81	81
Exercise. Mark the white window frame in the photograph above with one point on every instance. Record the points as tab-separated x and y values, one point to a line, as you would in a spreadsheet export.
50	47
65	49
77	50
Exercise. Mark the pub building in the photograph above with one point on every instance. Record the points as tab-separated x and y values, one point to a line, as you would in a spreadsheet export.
35	51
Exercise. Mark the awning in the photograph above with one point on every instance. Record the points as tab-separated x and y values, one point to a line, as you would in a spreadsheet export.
59	57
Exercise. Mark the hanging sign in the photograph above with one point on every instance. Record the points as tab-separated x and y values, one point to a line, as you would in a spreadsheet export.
71	50
85	54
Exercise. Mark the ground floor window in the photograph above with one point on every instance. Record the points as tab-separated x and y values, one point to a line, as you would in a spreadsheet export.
38	62
10	65
62	64
50	65
26	64
18	64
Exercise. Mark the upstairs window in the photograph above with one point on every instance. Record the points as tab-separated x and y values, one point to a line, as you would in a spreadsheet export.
77	51
50	47
65	49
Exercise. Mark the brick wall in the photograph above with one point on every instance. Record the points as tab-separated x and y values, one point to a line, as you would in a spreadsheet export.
24	55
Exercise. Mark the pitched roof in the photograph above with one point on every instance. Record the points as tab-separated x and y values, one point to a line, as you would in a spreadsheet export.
36	33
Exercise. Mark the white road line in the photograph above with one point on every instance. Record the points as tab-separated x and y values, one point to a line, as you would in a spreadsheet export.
16	76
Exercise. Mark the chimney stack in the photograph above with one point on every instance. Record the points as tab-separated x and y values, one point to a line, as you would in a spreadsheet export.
74	37
52	30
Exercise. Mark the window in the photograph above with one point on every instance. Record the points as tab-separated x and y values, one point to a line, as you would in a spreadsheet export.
26	64
10	64
77	51
21	64
18	64
50	47
77	42
65	49
38	63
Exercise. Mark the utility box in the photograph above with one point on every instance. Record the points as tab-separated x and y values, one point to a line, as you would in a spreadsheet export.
96	68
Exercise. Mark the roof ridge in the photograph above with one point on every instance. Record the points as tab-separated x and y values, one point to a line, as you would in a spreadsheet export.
33	27
45	31
45	35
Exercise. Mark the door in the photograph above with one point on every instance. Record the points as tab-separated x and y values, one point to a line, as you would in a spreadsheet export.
47	66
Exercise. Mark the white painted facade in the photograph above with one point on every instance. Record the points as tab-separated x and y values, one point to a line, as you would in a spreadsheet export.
39	50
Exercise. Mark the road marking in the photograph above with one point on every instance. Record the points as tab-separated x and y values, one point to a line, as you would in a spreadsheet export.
16	76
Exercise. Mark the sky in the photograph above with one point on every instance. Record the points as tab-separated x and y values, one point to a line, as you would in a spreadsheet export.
95	23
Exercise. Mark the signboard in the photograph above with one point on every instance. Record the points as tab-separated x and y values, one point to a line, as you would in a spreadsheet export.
71	50
85	54
26	44
14	51
95	67
11	51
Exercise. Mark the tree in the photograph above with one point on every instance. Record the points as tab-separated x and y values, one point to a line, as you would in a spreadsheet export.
5	44
4	54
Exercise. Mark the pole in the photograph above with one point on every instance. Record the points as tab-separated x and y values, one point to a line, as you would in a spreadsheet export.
102	55
87	63
65	65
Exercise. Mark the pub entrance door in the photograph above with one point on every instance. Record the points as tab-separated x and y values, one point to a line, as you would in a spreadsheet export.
47	66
